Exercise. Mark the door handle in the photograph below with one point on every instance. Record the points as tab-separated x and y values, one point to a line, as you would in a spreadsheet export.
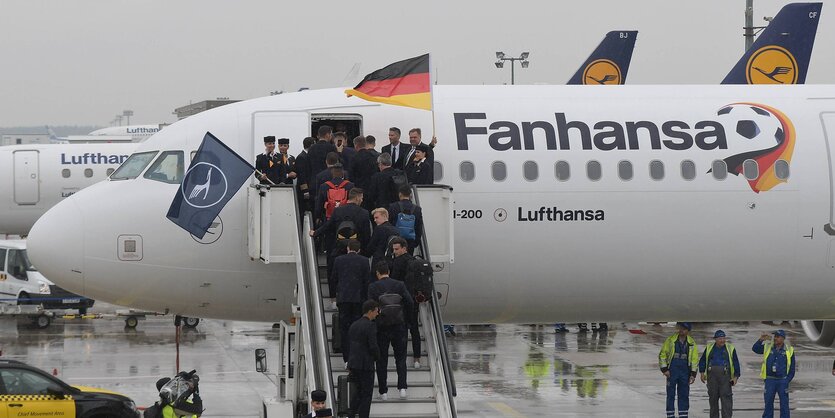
16	405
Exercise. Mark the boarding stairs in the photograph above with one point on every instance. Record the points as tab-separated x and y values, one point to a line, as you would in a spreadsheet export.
308	360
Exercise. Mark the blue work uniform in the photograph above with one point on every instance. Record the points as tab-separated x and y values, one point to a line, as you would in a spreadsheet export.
681	359
777	372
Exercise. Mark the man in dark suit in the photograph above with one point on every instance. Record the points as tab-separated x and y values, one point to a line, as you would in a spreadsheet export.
377	246
319	150
303	175
268	164
371	145
325	175
414	141
350	275
405	205
418	170
351	212
381	190
346	152
362	338
399	266
363	165
287	160
396	149
391	334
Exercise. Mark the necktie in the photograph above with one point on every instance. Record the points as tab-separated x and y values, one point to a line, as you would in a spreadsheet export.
394	150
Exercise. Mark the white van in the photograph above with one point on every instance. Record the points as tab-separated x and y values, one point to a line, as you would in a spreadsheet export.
18	278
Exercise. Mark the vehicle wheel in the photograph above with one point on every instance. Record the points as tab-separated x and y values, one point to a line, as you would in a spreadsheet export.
131	322
23	299
191	322
42	321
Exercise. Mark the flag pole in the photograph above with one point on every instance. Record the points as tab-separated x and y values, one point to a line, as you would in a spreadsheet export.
262	174
432	94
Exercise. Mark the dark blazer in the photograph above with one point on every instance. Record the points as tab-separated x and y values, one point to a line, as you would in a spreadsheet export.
389	285
416	210
276	173
317	154
302	167
349	212
381	191
322	197
430	154
364	351
399	266
346	157
290	166
420	173
363	166
350	275
379	241
401	155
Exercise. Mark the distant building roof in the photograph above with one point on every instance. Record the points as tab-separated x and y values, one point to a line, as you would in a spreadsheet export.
195	108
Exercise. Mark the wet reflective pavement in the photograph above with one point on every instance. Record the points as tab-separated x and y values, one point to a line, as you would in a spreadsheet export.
502	371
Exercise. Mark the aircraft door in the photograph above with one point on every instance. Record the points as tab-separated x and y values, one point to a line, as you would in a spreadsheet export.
26	178
828	121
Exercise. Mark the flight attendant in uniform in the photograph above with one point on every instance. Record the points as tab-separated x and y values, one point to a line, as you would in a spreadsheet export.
287	160
268	164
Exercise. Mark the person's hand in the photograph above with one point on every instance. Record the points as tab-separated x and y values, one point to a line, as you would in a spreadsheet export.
765	337
692	379
434	141
733	381
291	175
263	177
311	232
702	377
833	372
666	373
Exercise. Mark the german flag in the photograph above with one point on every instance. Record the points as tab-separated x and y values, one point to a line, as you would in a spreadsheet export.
404	83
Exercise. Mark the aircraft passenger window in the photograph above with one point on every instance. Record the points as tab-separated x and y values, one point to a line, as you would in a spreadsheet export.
688	170
625	170
467	171
88	172
438	169
562	170
751	169
168	168
781	169
65	173
594	170
110	171
719	169
530	170
656	170
499	170
133	166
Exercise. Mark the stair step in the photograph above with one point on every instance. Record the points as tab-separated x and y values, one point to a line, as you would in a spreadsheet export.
402	408
421	392
338	364
413	377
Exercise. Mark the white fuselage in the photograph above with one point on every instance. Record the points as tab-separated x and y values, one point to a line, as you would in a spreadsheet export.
683	246
33	178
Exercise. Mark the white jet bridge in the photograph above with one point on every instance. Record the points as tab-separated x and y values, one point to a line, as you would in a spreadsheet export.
307	359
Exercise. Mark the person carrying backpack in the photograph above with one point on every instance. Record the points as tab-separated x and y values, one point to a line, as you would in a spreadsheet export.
332	194
402	265
379	245
394	301
408	218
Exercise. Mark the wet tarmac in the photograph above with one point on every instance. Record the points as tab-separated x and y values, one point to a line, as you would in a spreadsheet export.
501	371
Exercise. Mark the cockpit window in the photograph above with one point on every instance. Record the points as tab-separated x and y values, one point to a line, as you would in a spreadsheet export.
133	166
168	168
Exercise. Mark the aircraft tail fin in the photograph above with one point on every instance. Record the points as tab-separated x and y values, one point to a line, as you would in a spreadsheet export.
609	63
781	53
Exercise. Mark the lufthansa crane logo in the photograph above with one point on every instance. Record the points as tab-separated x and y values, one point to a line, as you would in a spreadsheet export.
204	185
601	72
771	65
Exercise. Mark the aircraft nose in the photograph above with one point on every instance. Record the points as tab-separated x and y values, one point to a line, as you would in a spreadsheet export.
56	246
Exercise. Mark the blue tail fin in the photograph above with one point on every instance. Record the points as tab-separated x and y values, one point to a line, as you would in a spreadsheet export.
781	53
609	63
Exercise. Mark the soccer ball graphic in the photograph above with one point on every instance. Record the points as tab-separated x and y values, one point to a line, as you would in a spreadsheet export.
755	126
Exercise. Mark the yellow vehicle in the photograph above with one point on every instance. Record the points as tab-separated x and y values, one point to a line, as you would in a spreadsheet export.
26	391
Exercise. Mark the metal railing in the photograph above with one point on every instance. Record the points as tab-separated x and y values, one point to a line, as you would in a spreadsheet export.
436	323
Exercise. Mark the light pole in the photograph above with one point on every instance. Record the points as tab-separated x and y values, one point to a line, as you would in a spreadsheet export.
501	58
127	114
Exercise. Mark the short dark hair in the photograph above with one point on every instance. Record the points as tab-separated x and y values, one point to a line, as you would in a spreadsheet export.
369	306
359	142
415	130
382	267
354	245
394	129
340	134
399	241
370	139
332	158
308	142
405	190
324	130
354	192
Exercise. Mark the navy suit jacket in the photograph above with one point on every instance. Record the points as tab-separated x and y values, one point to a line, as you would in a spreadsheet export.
364	350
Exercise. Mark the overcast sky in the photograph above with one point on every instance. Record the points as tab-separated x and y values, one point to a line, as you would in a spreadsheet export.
84	61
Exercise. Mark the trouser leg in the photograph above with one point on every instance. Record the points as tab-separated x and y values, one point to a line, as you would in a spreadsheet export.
783	392
414	330
671	397
713	384
348	313
399	344
726	394
683	392
768	395
361	401
383	341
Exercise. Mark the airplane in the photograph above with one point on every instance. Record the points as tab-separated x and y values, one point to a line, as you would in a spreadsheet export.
609	62
136	132
782	52
37	176
698	203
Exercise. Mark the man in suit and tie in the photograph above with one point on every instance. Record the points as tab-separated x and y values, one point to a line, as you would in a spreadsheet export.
396	149
364	352
414	141
268	164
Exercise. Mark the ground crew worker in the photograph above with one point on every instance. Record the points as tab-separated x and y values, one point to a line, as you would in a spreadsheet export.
679	360
719	367
317	402
777	370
